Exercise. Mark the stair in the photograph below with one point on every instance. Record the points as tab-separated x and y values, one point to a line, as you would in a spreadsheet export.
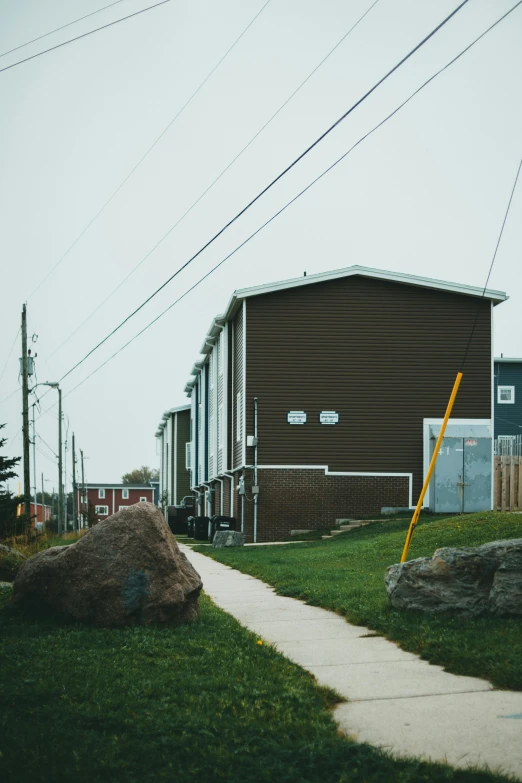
346	525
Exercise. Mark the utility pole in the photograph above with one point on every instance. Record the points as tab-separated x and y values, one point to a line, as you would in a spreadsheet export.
25	416
65	482
75	527
83	493
60	473
34	472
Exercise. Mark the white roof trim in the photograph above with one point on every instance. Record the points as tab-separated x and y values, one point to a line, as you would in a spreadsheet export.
380	274
506	359
167	415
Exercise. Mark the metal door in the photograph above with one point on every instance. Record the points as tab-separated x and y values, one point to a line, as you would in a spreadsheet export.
449	474
462	480
477	475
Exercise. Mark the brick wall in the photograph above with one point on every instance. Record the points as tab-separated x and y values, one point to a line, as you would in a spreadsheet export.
310	500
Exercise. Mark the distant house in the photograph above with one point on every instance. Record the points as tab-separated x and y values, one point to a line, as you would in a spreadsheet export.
321	397
508	397
173	445
107	499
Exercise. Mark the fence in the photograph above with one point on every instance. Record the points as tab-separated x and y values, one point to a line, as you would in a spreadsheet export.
508	446
508	483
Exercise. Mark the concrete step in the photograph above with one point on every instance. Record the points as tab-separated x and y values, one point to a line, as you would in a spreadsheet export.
326	536
335	532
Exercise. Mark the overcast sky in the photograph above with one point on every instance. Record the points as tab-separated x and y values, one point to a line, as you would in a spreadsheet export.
426	194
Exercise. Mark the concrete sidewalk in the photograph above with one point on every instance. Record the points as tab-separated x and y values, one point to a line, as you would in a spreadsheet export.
396	700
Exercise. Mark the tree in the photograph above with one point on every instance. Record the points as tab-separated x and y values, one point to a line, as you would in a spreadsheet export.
10	523
141	475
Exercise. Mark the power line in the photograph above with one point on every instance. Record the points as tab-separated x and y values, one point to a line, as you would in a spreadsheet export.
270	185
84	35
295	198
9	356
129	175
57	29
492	263
171	229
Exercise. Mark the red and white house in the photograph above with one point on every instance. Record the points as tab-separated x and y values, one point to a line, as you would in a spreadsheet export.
106	499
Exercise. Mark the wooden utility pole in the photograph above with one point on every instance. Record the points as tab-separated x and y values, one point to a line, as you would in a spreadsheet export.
83	504
25	416
60	470
75	526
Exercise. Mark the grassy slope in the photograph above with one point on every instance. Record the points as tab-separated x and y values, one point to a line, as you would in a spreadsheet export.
347	574
203	702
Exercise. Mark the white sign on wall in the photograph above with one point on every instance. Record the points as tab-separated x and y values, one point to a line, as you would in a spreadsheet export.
296	417
329	417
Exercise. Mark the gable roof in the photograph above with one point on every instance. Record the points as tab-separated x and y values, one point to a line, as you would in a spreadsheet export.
496	297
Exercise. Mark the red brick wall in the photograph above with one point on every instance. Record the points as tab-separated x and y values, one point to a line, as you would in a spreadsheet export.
311	500
119	500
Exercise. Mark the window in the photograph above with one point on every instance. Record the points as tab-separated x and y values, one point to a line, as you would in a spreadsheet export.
120	508
102	511
238	416
125	494
101	494
506	394
187	455
143	500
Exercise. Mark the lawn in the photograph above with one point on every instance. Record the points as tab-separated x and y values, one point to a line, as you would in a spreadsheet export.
346	574
201	702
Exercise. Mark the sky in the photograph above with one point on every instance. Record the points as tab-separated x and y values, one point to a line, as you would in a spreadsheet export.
425	194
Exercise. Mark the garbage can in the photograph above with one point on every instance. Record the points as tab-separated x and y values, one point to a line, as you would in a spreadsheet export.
190	527
201	528
220	522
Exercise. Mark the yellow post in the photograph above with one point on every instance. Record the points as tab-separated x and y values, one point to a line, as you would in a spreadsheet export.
429	474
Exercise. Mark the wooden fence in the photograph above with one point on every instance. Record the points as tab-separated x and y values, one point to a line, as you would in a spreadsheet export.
508	483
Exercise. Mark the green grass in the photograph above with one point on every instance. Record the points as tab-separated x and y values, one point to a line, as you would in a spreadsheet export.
201	702
346	574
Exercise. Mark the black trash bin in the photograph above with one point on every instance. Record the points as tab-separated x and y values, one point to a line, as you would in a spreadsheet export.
220	522
201	528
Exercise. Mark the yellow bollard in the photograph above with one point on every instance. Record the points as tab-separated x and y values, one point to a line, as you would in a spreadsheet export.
429	474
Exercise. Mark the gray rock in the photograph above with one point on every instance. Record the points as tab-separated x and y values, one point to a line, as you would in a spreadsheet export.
10	563
126	570
471	580
228	538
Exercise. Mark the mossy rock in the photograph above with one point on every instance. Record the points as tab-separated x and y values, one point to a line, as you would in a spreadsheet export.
10	563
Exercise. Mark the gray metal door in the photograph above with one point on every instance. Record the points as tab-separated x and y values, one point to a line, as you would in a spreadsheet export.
462	481
449	471
477	475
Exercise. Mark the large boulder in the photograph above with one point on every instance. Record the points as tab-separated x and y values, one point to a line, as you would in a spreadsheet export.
10	563
478	580
126	570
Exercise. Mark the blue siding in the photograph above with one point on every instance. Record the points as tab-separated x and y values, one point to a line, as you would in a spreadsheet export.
508	416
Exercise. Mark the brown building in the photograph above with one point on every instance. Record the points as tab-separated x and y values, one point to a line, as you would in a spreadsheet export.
347	371
106	499
173	447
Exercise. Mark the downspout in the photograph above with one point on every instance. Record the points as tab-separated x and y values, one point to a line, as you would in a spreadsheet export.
256	490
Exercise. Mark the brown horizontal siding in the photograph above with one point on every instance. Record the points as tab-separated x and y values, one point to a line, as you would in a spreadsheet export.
237	446
383	355
183	477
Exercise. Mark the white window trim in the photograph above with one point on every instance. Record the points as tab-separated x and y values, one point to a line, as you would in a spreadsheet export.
506	388
125	494
143	500
220	426
122	507
188	455
101	494
99	512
